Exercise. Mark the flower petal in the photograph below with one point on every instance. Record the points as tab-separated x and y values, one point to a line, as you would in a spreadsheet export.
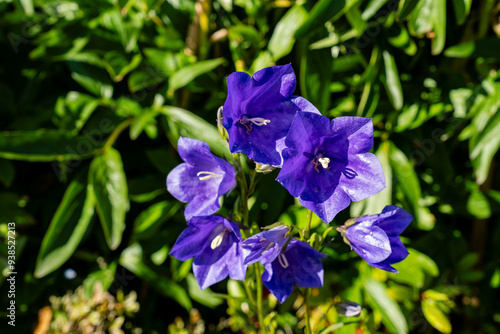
369	241
358	130
305	264
363	177
393	220
328	209
278	281
193	239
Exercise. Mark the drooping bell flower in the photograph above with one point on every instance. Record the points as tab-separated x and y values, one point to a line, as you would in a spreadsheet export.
265	247
259	110
201	179
298	263
215	244
375	238
326	164
348	308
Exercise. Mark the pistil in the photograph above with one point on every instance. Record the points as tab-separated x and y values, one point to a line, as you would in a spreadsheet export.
321	160
203	176
247	122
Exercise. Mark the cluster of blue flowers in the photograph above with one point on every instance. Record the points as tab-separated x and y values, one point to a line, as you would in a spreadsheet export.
324	163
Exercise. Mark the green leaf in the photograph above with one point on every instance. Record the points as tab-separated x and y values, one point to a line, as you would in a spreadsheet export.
145	118
478	205
282	39
132	259
392	83
316	69
371	8
462	9
118	65
92	78
105	276
108	183
323	10
150	220
413	269
392	317
407	8
45	145
186	124
204	297
435	316
422	18
439	24
485	144
409	184
67	228
186	74
75	109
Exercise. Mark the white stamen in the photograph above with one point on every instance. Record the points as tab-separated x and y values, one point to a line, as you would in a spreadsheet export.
324	161
217	241
269	246
283	261
259	121
207	175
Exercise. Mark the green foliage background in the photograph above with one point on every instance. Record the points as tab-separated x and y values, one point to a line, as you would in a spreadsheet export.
94	95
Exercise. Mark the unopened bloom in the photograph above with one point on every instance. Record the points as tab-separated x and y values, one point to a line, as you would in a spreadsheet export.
259	110
215	244
298	263
326	164
201	179
348	308
376	237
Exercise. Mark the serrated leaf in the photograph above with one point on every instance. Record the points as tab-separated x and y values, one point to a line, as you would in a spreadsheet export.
109	185
67	228
392	317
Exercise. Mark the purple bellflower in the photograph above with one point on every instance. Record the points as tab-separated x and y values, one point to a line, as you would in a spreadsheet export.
326	164
298	264
201	179
215	244
375	238
259	110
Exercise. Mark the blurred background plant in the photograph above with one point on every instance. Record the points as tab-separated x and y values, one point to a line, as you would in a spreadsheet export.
79	313
96	93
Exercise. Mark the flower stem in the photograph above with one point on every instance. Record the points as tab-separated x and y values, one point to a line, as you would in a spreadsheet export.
307	234
259	299
306	303
245	194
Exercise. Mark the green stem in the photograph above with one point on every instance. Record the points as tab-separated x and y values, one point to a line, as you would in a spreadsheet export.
307	290
245	193
306	303
259	298
114	135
